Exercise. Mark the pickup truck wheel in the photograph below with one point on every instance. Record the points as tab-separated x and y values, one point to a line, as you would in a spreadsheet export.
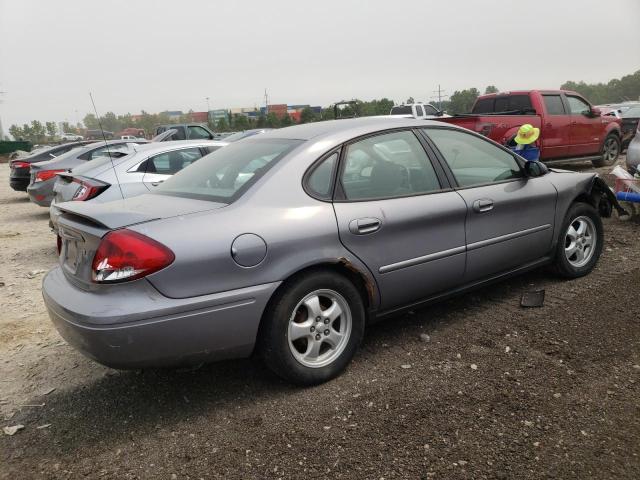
312	328
580	241
610	152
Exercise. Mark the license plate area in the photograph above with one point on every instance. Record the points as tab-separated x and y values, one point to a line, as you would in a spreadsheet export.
71	248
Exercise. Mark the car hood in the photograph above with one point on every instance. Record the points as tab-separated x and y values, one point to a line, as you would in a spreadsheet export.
141	209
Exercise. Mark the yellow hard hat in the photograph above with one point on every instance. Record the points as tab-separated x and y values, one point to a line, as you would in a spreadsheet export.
527	134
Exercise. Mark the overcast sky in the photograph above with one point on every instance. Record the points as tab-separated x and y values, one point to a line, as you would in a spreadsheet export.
170	55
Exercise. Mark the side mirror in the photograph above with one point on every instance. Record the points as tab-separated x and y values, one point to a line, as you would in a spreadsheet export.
595	112
535	169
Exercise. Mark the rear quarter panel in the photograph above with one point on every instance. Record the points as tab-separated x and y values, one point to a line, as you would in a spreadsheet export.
298	230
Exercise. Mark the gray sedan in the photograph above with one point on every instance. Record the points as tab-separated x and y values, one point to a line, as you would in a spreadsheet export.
288	243
146	167
43	174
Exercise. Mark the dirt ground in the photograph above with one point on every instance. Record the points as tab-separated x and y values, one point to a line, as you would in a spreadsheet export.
491	391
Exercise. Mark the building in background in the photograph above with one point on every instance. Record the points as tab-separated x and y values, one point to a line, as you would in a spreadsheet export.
199	117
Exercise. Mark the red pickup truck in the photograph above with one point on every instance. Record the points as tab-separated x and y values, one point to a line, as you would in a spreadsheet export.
570	127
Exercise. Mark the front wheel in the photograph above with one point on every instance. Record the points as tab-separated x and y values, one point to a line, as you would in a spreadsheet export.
610	152
312	328
580	242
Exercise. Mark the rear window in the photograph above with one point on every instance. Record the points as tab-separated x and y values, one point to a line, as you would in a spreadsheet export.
504	103
402	110
223	176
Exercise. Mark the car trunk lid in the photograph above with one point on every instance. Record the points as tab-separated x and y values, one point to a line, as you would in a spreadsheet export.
83	224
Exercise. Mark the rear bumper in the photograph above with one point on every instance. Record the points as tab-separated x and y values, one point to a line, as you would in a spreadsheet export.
41	193
132	325
19	184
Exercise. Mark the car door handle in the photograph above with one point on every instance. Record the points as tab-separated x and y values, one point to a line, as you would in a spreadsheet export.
362	226
574	123
155	184
482	205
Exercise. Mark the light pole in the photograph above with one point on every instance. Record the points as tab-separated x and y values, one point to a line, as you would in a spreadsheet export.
208	108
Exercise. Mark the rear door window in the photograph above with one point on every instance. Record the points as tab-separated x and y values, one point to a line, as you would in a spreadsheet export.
419	111
554	104
386	166
196	132
170	163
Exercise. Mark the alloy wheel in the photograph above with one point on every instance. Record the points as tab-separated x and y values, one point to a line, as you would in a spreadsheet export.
610	150
580	241
319	328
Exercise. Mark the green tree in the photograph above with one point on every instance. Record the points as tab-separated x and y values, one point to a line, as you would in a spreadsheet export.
51	128
68	128
16	132
410	100
272	120
491	89
462	100
110	122
222	125
240	122
90	121
616	90
38	132
286	121
307	115
262	121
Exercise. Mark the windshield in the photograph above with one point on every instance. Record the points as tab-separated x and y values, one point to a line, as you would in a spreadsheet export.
224	175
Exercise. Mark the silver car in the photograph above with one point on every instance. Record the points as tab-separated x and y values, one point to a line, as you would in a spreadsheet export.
43	174
146	166
288	243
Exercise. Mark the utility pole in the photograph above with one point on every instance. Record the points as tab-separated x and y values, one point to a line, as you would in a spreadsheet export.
266	103
440	96
1	130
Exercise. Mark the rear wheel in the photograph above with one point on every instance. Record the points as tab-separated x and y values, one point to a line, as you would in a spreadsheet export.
580	242
312	328
610	152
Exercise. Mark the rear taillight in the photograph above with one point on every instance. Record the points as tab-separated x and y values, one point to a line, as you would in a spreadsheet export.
88	189
127	255
18	164
43	175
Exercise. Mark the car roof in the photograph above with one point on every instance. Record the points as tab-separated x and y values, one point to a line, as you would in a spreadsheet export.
152	147
308	131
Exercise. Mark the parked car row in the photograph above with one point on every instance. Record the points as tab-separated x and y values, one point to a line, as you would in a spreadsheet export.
288	243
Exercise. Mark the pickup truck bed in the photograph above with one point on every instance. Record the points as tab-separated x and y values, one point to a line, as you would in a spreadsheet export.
571	129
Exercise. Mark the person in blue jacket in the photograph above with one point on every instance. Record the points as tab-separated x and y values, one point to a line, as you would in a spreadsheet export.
526	143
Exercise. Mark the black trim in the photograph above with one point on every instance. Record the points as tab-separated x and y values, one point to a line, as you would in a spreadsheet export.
314	166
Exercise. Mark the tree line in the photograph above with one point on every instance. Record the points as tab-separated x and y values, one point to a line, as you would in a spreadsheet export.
461	101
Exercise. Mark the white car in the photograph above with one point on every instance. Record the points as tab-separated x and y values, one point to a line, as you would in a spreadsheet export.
71	137
416	110
147	166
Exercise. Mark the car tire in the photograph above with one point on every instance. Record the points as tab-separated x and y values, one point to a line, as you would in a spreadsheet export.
580	241
610	151
312	327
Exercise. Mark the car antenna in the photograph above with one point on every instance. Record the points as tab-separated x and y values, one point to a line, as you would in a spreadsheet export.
106	144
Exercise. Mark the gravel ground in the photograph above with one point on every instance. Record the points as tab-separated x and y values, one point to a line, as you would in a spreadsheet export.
476	387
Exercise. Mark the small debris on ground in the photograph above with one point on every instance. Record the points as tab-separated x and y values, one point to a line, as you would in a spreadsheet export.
534	298
35	273
406	365
424	337
12	430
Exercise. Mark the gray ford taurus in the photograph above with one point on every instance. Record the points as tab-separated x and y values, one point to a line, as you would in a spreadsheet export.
288	243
